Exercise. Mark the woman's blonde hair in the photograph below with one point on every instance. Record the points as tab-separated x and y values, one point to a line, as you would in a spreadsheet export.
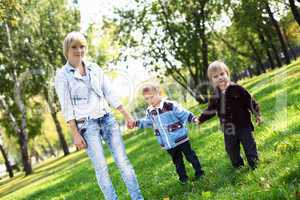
71	37
215	66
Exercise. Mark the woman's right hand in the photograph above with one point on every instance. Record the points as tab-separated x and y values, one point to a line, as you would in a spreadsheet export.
77	138
79	141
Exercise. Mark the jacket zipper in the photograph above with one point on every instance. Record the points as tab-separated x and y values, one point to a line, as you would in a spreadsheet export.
168	143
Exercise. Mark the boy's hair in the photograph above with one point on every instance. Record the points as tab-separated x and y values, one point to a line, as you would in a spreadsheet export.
150	87
216	65
71	37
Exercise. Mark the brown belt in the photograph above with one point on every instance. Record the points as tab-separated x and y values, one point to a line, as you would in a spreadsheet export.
80	121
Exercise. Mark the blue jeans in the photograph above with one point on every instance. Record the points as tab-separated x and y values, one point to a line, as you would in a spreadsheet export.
107	128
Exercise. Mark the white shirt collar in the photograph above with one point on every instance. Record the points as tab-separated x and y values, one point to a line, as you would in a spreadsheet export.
70	68
161	104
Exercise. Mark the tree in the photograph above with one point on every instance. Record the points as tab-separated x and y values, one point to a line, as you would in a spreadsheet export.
249	33
261	32
8	166
14	70
24	49
175	38
295	11
278	31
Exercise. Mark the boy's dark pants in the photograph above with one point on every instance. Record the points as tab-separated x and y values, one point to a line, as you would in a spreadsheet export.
232	146
190	155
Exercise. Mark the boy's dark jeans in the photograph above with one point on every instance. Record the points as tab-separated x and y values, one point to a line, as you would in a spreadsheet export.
232	146
190	155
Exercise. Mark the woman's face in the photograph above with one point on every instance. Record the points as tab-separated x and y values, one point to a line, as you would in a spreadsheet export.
76	52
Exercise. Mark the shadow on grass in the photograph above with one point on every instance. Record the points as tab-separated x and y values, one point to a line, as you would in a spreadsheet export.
277	136
85	183
292	177
155	164
44	171
78	185
155	172
292	68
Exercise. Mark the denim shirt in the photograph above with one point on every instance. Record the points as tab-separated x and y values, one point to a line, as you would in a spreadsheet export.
81	97
169	123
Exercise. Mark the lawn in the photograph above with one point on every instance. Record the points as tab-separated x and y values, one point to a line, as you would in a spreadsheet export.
277	177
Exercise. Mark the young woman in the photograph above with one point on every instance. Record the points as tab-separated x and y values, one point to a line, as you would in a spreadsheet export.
84	93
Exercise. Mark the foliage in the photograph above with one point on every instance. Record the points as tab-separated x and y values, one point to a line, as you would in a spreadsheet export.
31	49
172	37
102	48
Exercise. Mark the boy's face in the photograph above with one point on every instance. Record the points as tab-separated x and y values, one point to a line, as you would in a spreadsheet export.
76	52
220	79
153	98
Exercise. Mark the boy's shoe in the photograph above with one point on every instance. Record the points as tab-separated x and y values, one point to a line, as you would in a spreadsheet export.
253	166
238	168
198	176
184	181
238	165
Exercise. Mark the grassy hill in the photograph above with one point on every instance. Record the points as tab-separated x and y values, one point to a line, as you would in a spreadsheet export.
277	177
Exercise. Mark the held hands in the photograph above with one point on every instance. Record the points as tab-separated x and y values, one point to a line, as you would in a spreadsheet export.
258	119
130	122
196	120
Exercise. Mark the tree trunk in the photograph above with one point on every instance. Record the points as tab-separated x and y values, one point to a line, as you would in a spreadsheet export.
184	96
23	140
21	129
7	163
52	152
44	150
295	11
61	136
279	34
204	48
260	68
62	140
200	27
23	135
250	72
36	155
8	166
266	47
274	49
291	50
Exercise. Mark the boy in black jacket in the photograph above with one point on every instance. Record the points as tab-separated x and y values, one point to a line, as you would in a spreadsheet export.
232	103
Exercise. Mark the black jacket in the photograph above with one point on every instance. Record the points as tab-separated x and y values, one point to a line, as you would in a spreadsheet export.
232	107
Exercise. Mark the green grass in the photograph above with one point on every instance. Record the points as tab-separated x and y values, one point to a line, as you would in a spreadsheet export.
277	177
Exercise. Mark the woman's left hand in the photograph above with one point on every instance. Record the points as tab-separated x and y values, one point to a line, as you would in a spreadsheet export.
130	122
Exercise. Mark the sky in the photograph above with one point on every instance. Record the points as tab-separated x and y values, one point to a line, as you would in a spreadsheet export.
93	10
